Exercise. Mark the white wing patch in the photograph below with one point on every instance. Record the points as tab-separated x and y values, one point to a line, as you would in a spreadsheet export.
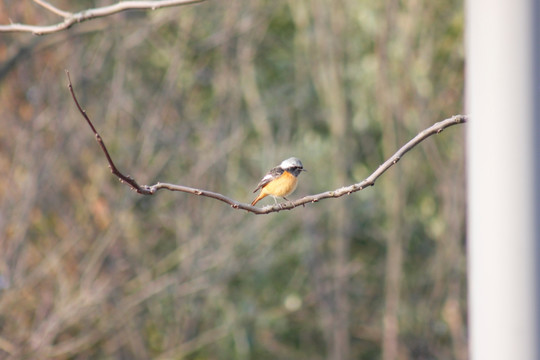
271	175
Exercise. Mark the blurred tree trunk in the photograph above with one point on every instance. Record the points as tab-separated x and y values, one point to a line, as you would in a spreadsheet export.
390	118
326	65
328	76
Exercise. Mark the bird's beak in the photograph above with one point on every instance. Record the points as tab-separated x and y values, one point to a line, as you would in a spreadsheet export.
304	170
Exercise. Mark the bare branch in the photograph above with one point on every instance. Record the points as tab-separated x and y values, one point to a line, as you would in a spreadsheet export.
123	178
53	9
72	18
347	190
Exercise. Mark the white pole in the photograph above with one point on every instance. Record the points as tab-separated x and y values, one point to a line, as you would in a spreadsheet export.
503	170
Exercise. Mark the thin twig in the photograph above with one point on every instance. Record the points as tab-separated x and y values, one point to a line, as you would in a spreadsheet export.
53	9
72	18
123	178
347	190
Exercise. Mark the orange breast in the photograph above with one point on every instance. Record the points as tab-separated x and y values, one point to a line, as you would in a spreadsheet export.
282	186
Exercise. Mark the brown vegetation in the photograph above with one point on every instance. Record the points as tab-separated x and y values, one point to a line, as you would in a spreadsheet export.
211	96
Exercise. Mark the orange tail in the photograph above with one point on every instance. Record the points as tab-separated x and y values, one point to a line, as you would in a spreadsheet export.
262	195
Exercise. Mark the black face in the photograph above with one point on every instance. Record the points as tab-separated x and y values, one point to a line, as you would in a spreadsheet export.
295	170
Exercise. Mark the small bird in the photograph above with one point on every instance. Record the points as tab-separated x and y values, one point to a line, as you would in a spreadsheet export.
281	181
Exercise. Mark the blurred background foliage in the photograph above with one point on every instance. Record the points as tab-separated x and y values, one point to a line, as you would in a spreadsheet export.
213	95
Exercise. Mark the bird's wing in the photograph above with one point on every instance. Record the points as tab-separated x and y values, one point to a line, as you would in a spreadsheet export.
271	175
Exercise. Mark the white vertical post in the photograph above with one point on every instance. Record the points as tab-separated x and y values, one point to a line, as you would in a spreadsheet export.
503	169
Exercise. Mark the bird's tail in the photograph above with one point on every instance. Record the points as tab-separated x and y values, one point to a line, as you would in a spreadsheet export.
258	198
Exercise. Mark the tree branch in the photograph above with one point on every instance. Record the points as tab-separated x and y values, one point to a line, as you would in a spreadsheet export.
53	9
347	190
72	18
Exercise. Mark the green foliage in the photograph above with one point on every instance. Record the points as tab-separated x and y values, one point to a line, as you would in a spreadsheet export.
212	96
